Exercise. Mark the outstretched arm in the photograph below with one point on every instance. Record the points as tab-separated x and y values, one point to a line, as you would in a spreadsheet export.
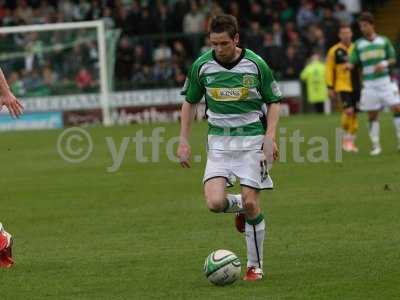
270	148
8	99
187	115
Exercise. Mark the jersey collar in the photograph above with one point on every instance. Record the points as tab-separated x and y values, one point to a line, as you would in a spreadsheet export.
230	65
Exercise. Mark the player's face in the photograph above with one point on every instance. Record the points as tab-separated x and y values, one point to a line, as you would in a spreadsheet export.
366	28
224	46
345	35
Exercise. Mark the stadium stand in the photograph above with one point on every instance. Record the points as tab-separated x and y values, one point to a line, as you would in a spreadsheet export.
160	39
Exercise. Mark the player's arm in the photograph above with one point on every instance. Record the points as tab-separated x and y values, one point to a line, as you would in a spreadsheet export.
270	135
193	90
187	115
272	96
330	73
390	58
8	99
354	58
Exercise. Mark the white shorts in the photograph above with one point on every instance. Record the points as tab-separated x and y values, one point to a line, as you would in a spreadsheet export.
247	166
377	97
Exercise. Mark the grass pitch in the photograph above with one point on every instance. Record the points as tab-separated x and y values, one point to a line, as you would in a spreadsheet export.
143	231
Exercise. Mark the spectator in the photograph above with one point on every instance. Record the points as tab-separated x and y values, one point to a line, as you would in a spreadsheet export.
305	15
179	54
108	18
277	34
165	25
16	84
193	22
256	14
314	76
352	6
316	39
130	18
286	12
292	63
162	52
342	14
254	38
146	23
330	27
81	10
124	60
67	9
84	80
271	53
23	11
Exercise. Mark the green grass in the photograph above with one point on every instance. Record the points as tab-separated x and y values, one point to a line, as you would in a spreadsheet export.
143	232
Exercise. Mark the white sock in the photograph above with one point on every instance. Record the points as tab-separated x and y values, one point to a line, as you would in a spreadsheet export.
396	122
233	203
374	129
255	233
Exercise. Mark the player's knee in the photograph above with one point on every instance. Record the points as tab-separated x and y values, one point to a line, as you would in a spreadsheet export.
215	203
373	116
349	111
396	109
250	204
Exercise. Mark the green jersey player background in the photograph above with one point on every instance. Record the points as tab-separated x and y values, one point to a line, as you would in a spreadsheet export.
237	85
375	54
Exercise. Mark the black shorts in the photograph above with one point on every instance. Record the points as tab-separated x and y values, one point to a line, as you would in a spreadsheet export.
349	99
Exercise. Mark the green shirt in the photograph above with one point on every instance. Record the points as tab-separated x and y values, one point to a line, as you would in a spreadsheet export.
235	96
314	76
368	54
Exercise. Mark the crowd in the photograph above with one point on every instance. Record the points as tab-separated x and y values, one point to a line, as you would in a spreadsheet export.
159	39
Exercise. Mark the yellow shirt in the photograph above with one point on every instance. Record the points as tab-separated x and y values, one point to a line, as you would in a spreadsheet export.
337	76
314	76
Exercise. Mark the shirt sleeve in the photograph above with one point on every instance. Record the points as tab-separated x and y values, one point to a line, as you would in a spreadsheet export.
304	73
193	90
354	56
269	88
330	69
390	52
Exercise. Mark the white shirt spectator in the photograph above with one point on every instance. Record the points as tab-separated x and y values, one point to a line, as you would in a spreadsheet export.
193	22
163	52
353	6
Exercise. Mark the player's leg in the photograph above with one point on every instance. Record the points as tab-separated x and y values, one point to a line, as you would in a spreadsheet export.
392	99
254	232
253	176
348	122
218	200
370	102
374	132
215	180
396	121
350	110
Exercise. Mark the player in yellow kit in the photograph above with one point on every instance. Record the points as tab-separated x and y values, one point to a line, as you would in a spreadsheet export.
344	85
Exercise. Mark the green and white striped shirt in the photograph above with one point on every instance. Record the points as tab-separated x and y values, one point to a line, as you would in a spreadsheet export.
235	96
368	54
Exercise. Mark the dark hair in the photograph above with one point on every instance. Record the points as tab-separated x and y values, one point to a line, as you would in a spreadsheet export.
224	23
344	25
366	16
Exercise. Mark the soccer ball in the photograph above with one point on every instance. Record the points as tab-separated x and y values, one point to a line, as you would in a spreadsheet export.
222	267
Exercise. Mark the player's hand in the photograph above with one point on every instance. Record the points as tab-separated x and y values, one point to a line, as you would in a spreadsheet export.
6	260
332	94
183	153
379	68
13	105
271	152
348	66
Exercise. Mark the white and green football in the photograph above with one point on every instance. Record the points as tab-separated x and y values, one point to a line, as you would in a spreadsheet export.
222	267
